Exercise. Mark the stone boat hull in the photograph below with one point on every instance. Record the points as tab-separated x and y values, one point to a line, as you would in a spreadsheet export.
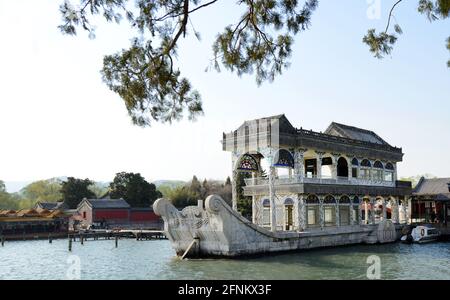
215	230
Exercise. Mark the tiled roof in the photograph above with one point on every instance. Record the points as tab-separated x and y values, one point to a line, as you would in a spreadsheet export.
107	203
354	133
438	187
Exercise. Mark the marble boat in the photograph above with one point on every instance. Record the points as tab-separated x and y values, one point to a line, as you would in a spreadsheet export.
308	189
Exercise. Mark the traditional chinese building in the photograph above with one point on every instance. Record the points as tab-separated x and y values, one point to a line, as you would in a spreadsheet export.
431	201
114	212
32	223
344	176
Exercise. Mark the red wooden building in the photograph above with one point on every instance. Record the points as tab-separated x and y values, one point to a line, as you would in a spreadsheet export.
115	213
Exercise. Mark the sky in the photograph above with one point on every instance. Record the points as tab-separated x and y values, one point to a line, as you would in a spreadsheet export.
57	117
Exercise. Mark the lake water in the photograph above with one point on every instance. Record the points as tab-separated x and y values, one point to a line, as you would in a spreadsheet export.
156	260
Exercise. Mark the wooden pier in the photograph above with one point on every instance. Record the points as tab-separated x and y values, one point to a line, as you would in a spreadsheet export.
139	235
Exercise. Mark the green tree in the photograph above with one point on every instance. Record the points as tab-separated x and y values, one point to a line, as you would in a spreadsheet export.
43	190
2	187
196	186
381	44
244	203
74	190
146	75
134	189
182	196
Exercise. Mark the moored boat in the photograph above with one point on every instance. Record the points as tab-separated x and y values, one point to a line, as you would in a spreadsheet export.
421	234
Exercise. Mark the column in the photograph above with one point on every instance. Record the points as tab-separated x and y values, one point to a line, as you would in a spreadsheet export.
404	211
359	210
372	210
394	210
338	216
385	210
321	213
409	211
371	170
350	169
273	210
352	213
301	213
234	189
299	163
366	211
319	164
335	164
254	209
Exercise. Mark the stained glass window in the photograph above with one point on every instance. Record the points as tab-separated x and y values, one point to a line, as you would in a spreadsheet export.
284	159
366	163
248	163
378	165
355	162
389	166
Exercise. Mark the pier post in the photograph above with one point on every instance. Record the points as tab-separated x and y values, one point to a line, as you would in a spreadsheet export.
3	241
50	238
117	241
70	244
82	239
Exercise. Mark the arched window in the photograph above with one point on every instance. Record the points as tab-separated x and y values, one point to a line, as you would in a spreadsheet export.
378	165
356	210
344	211
366	163
342	167
344	200
312	199
312	216
248	163
378	172
266	213
288	201
355	164
284	159
289	214
365	169
329	200
329	210
389	172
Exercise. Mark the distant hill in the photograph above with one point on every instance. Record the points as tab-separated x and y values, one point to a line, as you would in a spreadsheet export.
17	186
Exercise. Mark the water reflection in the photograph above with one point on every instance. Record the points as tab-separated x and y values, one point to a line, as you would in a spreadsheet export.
156	260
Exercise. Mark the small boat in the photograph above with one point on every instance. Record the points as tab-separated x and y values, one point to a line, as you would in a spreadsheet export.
421	234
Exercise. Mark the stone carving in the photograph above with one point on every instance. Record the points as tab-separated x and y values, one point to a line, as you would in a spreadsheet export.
386	232
194	217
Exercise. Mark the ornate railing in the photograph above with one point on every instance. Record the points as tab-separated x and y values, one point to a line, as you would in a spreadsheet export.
323	180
